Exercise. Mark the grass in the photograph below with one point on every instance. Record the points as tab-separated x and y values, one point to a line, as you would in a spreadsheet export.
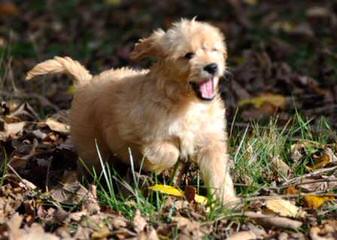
252	149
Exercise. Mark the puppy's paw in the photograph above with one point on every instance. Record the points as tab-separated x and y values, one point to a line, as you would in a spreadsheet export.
160	156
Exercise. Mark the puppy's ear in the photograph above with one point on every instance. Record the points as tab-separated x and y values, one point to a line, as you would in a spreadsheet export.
149	47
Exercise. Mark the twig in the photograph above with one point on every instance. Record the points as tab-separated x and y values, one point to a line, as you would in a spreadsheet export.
308	175
275	221
249	199
28	184
307	182
48	172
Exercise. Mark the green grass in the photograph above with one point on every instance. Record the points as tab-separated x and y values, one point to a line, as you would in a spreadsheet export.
256	146
252	149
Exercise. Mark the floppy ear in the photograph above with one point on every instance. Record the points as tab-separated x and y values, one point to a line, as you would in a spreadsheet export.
149	47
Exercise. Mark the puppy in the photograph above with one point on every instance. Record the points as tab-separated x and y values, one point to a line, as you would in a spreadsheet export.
170	111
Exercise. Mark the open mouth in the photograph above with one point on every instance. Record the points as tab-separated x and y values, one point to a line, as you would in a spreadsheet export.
205	89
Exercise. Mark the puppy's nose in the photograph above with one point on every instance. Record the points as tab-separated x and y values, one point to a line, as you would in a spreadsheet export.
211	68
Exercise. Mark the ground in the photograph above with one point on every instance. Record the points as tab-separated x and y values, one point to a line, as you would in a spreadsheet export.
281	96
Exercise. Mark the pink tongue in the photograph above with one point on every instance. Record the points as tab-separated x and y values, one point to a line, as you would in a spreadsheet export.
206	89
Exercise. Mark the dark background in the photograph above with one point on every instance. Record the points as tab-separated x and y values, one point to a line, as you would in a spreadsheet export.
279	47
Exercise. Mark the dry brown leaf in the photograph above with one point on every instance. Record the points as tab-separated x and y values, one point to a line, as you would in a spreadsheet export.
101	233
243	235
190	193
297	151
251	2
326	231
280	166
57	126
118	222
183	222
315	202
35	232
323	160
8	8
139	222
284	208
292	190
11	130
318	12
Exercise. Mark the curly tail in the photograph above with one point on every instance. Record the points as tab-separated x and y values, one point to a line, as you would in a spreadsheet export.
62	65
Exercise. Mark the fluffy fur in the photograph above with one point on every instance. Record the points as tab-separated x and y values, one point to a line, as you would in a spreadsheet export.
168	112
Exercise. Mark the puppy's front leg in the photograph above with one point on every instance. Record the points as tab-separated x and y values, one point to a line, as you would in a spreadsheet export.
160	156
213	163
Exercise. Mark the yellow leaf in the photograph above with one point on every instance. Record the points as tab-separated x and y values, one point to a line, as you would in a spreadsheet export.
275	100
315	202
166	189
169	190
200	199
283	208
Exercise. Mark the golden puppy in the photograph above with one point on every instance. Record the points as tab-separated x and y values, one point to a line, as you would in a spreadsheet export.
171	111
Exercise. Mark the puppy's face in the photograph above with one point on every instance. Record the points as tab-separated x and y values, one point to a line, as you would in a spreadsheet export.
193	54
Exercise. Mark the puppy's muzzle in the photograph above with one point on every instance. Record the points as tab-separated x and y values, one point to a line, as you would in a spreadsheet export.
211	68
205	88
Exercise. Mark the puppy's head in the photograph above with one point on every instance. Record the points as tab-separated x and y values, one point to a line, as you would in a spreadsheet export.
193	54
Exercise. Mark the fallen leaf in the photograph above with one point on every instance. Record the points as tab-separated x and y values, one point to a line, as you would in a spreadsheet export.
185	222
139	222
327	183
318	12
292	190
57	126
315	202
118	222
276	100
243	235
169	190
282	26
8	8
323	160
284	208
297	151
326	231
35	232
166	189
188	228
190	193
251	2
200	199
101	233
280	166
70	193
11	130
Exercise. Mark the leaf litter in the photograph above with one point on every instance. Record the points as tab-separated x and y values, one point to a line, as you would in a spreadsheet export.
39	198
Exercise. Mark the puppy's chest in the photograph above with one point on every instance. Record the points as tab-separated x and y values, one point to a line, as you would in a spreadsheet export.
190	127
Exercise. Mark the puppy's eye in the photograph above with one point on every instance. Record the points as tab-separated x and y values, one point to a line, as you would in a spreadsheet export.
189	55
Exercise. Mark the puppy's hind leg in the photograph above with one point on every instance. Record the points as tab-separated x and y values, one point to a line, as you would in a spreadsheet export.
160	156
